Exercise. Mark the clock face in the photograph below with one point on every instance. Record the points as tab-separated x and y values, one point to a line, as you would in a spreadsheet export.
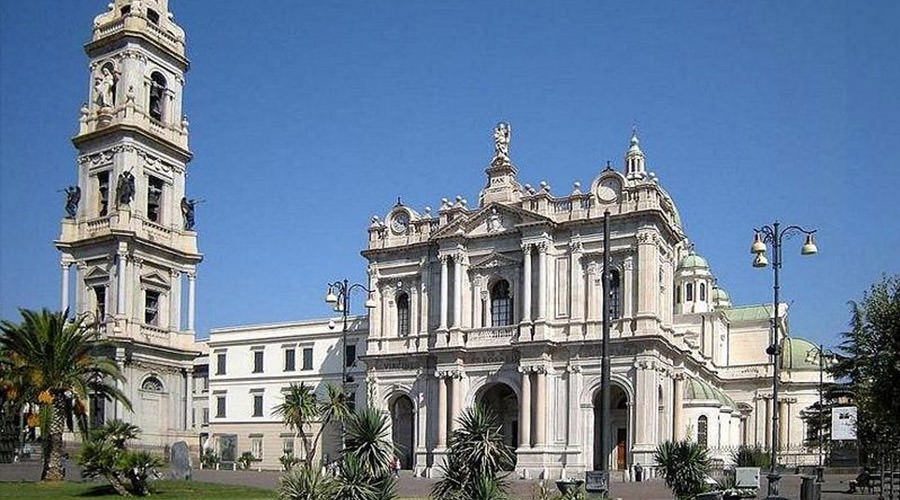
399	222
608	189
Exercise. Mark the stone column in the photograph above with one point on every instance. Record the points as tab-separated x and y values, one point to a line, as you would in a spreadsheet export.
457	290
648	274
192	278
121	270
413	310
784	407
65	284
444	291
576	308
455	400
678	409
525	409
626	289
442	411
573	384
542	280
526	287
421	421
540	417
423	307
120	361
644	392
188	397
769	413
175	300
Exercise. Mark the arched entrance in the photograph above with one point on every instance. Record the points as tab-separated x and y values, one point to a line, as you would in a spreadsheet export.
402	428
616	448
502	400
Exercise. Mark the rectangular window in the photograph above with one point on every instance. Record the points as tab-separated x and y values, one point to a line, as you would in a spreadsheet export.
256	447
257	361
193	417
290	360
103	193
154	198
100	300
220	363
151	307
205	419
257	405
350	354
287	446
220	406
307	358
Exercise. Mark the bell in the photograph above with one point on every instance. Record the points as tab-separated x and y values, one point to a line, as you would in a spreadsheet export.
809	248
760	260
758	246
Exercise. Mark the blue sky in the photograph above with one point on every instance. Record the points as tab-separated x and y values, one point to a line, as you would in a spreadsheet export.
309	117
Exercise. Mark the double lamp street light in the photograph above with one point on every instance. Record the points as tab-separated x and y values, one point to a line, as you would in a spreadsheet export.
338	296
775	235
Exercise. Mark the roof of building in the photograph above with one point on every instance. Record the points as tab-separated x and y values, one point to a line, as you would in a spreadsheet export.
799	354
748	313
692	261
696	388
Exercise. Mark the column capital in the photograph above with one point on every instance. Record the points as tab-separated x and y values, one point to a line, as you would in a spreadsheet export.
526	247
192	275
444	257
575	244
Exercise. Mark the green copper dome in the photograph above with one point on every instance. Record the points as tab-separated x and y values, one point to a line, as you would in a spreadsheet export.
696	389
799	354
692	261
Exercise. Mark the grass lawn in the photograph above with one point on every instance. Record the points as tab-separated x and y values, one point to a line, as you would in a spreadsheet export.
160	489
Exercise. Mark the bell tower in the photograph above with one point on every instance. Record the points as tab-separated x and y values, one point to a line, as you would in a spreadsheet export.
128	244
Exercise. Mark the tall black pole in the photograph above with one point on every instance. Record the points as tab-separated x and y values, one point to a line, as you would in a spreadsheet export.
821	408
345	310
774	477
604	432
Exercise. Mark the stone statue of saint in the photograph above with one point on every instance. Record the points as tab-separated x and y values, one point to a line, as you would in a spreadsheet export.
187	210
73	196
125	188
501	141
104	87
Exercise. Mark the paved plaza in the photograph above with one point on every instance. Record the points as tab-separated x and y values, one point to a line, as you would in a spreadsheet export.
834	488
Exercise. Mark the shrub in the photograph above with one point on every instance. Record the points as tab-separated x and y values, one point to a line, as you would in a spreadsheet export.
685	465
751	456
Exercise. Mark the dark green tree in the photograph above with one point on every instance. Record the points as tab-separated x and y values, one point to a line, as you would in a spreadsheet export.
869	361
685	465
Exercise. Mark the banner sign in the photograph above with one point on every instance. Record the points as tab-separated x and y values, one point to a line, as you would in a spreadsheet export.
843	423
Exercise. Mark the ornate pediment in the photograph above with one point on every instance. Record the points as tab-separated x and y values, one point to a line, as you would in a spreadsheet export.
96	274
155	278
493	260
490	220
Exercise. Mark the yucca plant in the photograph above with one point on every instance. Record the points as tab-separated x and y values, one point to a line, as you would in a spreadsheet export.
306	482
751	456
476	458
369	439
685	465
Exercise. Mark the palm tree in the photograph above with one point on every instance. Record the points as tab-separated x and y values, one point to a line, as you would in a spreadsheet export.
299	409
334	408
685	465
54	363
477	457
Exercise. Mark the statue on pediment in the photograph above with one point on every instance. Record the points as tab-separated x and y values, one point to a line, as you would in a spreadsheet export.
501	141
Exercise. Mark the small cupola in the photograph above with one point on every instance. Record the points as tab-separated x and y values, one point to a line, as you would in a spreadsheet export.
693	285
634	159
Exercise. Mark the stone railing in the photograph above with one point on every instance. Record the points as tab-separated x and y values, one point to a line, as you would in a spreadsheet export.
498	335
154	331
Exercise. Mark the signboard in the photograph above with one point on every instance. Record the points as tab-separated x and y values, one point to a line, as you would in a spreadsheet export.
843	423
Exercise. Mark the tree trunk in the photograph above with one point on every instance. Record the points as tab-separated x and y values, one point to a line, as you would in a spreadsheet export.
53	443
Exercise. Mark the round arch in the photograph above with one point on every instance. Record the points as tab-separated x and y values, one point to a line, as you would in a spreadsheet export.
403	421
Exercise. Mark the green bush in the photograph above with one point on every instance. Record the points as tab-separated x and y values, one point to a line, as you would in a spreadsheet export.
105	455
751	456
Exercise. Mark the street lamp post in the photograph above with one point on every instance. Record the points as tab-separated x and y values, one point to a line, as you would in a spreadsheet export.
822	355
338	295
775	235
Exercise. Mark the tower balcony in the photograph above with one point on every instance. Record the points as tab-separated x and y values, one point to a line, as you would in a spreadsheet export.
131	116
123	223
138	26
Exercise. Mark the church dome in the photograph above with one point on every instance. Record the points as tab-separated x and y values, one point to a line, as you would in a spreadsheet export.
693	261
696	389
799	354
720	295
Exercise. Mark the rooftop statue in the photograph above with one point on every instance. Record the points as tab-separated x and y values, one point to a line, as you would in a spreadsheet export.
501	141
125	188
73	196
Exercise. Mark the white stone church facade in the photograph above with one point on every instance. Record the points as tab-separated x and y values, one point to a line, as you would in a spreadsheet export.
498	303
